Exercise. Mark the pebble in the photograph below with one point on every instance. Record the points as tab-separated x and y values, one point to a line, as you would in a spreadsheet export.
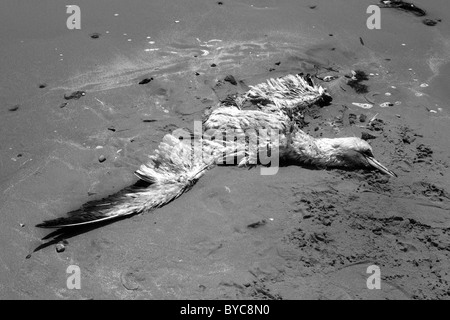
95	35
429	22
363	105
22	225
362	118
386	104
60	247
75	95
367	136
329	78
14	107
146	80
424	85
102	158
230	79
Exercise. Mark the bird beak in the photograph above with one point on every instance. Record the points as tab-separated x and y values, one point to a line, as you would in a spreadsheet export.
374	163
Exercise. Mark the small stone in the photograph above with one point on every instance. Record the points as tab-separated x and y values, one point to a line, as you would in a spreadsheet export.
230	79
102	158
63	105
257	224
14	107
367	136
429	22
146	80
75	95
21	225
60	247
214	65
42	85
95	35
362	118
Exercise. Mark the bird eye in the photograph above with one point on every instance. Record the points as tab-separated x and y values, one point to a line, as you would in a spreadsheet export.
368	152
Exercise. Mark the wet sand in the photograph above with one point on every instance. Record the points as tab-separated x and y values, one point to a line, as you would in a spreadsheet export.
301	234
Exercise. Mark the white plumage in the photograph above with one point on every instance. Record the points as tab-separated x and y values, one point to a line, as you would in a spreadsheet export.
178	163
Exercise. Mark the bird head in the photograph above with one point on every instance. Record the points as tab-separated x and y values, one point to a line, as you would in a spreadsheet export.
350	152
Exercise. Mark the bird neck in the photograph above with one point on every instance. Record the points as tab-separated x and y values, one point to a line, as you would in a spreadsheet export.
308	150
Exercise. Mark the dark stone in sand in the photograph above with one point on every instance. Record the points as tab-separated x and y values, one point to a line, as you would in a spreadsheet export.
197	74
352	118
148	120
14	107
367	136
408	139
362	118
271	69
42	85
231	80
95	35
102	158
62	105
146	80
404	6
214	65
220	3
312	7
112	129
277	63
257	224
429	22
60	247
75	95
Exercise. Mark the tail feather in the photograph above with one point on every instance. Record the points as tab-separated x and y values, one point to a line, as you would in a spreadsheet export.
171	171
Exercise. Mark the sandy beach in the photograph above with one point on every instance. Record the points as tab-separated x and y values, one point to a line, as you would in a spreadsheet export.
146	68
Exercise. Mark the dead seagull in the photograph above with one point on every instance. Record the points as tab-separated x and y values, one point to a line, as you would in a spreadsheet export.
177	163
